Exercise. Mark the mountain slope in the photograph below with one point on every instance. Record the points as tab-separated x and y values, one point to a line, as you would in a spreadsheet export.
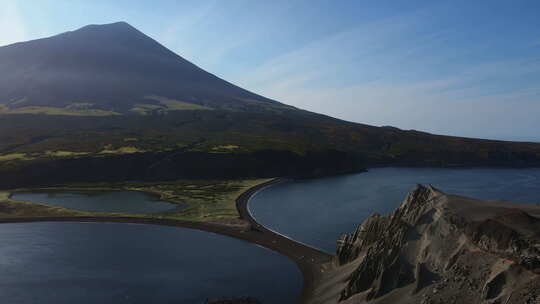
113	67
106	102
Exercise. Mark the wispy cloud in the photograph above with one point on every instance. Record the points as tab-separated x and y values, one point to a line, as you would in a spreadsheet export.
179	33
199	35
393	72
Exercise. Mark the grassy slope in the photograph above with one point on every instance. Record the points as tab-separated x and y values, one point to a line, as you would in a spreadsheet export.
220	131
207	200
67	111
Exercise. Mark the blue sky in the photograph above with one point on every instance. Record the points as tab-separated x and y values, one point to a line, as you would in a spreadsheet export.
469	68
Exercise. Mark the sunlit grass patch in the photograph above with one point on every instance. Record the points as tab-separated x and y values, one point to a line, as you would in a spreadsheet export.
225	148
56	111
122	150
65	153
176	105
15	156
207	200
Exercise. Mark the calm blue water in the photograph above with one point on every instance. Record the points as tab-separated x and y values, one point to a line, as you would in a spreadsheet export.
106	201
125	263
318	211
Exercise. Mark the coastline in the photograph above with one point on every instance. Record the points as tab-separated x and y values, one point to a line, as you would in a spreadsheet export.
309	260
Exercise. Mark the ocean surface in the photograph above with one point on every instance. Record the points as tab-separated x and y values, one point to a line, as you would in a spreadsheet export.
101	201
127	263
318	211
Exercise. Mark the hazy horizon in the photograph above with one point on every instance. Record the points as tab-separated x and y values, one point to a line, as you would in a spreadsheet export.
461	69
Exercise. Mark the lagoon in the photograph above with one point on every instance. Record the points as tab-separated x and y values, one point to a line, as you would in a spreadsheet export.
100	201
318	211
128	263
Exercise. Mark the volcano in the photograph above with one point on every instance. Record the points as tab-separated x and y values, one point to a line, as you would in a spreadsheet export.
112	67
107	102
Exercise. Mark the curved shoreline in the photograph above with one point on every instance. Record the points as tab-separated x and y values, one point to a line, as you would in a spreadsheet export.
308	259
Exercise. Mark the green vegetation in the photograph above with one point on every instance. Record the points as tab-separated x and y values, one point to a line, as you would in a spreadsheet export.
122	150
65	153
68	154
176	105
14	156
165	105
225	148
206	131
235	132
207	200
53	154
71	110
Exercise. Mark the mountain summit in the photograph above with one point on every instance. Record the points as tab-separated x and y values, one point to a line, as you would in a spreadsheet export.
112	67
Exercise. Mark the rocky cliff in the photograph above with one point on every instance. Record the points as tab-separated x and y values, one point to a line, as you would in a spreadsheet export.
440	248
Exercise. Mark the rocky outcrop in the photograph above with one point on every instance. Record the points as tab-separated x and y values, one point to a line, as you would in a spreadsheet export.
439	248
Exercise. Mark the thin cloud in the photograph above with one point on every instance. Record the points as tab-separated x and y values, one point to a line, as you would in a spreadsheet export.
406	77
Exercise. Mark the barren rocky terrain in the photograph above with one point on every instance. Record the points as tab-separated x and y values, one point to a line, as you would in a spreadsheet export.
439	248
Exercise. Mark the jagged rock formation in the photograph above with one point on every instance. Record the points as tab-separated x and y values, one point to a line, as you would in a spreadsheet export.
439	248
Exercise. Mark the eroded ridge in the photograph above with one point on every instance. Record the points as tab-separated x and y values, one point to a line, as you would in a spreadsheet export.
439	248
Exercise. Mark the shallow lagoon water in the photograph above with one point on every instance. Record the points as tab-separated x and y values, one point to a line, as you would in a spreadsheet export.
318	211
101	201
126	263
